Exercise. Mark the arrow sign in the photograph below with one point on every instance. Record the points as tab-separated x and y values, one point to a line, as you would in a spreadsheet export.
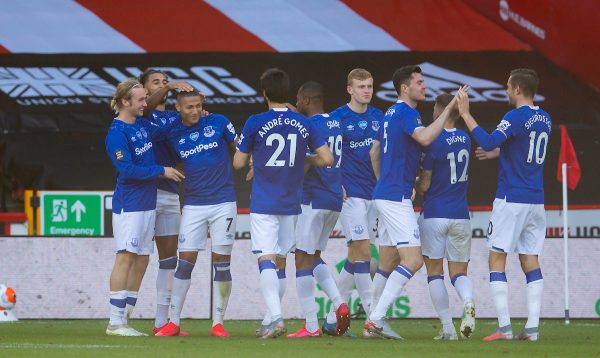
78	208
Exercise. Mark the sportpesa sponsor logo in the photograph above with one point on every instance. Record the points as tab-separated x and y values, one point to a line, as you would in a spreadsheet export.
197	149
43	86
363	143
439	79
144	149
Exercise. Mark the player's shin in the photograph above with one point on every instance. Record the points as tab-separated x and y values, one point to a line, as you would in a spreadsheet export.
440	301
464	287
181	285
305	284
379	282
535	288
221	290
269	284
499	287
392	290
364	284
164	283
325	280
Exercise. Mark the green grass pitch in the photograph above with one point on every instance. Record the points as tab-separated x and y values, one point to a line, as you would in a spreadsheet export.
85	338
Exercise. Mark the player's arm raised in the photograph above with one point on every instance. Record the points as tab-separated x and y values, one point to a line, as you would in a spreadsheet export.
323	157
426	135
375	158
488	142
158	96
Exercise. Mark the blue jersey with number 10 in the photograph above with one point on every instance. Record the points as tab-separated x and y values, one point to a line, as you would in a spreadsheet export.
277	140
522	136
448	159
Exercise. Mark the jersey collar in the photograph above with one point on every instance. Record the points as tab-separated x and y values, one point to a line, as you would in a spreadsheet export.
280	109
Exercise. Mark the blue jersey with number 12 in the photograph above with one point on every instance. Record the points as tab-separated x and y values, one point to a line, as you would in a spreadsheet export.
277	140
448	159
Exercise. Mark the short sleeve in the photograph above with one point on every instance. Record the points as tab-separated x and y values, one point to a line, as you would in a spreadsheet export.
315	137
506	125
246	139
410	122
228	131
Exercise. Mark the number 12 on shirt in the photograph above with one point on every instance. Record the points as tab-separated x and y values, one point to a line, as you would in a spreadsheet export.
463	156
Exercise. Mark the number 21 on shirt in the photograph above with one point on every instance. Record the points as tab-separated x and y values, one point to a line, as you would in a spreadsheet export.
279	142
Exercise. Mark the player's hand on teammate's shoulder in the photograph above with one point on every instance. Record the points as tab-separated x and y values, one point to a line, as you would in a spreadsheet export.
291	106
483	155
173	174
180	86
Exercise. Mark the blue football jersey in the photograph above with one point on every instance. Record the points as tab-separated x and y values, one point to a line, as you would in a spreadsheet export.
400	154
163	152
277	140
358	130
323	185
448	159
130	149
521	171
204	151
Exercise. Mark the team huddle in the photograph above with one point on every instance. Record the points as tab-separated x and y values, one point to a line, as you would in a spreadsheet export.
308	169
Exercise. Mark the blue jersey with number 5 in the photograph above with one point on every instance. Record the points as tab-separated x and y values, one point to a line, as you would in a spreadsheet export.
277	140
448	159
399	152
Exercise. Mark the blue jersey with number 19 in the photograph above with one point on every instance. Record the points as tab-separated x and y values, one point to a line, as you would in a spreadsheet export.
323	186
399	153
522	136
448	159
277	140
163	152
359	130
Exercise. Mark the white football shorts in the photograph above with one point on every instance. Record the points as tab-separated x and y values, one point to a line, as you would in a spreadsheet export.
272	234
314	228
517	227
168	214
197	220
446	238
400	222
359	220
134	231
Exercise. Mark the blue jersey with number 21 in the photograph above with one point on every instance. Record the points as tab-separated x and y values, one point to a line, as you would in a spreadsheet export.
277	140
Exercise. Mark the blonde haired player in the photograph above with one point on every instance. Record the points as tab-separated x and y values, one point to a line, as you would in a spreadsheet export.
129	147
